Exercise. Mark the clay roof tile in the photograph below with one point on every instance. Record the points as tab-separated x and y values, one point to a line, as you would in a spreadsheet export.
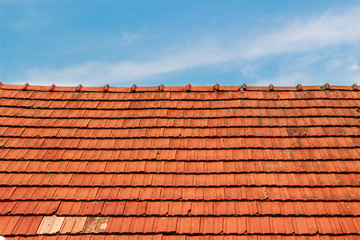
161	162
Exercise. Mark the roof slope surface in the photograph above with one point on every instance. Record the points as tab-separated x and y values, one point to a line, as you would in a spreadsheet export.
179	162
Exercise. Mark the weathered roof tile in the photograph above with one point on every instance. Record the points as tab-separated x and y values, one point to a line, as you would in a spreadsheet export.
190	162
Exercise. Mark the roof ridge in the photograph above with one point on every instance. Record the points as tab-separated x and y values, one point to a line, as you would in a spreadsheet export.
187	88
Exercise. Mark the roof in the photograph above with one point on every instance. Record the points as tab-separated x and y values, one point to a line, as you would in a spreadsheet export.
186	162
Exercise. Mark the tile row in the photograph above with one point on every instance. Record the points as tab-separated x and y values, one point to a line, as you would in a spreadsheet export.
178	113
31	225
330	154
177	104
215	96
181	143
180	225
185	194
180	180
172	132
185	237
179	208
231	225
174	167
205	123
178	122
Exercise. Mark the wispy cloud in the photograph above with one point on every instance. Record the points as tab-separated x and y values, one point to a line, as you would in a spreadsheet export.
354	67
324	31
130	37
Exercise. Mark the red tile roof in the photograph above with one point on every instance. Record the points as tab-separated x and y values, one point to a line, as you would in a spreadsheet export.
180	162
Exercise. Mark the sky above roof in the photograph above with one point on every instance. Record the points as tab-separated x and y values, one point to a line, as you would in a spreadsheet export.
176	42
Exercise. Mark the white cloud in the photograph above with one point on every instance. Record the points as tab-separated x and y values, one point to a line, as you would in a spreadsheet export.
353	67
327	30
130	37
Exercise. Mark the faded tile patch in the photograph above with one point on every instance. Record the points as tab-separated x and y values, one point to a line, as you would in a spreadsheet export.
50	225
73	225
96	224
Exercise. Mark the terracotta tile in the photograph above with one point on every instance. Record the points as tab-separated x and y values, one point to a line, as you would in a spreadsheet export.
135	208
86	193
27	225
180	208
152	237
135	166
81	179
281	225
101	180
349	225
171	193
294	208
47	207
119	224
141	179
24	208
76	166
157	208
213	225
188	225
70	208
122	179
115	166
4	165
53	154
42	193
109	237
66	193
6	207
329	225
28	238
272	208
19	166
57	166
258	225
50	225
235	225
95	224
242	208
91	154
72	154
129	193
142	224
305	225
214	194
91	208
165	225
175	237
235	193
317	208
73	225
19	193
5	177
7	224
202	208
256	193
113	208
182	180
39	179
107	193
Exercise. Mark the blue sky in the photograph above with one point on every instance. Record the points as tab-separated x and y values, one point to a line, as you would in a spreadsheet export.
176	42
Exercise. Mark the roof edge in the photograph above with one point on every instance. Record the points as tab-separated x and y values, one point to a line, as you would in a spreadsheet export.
187	88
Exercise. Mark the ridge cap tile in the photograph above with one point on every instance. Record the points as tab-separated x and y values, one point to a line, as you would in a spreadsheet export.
134	88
